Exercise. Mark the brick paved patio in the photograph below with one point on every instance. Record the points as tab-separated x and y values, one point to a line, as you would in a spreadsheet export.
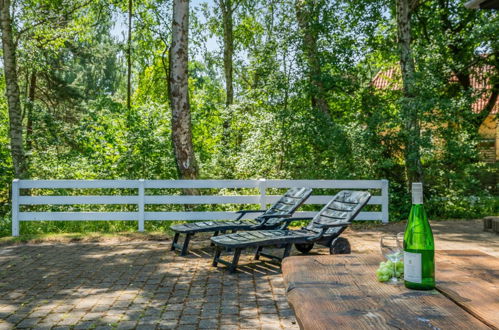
135	284
144	285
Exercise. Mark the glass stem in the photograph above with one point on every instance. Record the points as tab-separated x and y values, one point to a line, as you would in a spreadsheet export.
394	276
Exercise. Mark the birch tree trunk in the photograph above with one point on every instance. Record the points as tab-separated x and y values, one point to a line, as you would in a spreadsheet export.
409	109
179	92
29	110
227	10
129	58
12	91
304	14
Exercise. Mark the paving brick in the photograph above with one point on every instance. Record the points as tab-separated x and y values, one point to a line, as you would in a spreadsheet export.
267	309
191	311
184	327
188	319
92	316
230	327
14	318
61	327
229	319
270	321
286	313
39	313
246	323
6	326
152	312
45	325
28	323
127	324
85	325
62	309
230	310
249	313
170	315
146	326
208	324
211	306
104	327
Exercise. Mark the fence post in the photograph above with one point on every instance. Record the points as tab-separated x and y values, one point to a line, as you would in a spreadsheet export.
141	205
263	194
384	201
15	207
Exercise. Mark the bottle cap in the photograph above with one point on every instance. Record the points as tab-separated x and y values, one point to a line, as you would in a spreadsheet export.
417	193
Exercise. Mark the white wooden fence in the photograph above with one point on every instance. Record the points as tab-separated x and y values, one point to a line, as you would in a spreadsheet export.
141	199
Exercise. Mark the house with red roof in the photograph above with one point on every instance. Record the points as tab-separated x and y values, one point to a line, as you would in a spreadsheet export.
480	82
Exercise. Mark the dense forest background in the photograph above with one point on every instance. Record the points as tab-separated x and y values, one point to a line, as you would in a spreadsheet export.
277	89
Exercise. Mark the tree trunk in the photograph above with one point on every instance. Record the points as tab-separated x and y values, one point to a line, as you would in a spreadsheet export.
227	10
29	110
304	14
129	58
489	105
12	91
179	92
409	110
494	92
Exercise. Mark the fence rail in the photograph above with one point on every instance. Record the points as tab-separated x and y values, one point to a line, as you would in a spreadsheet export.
141	199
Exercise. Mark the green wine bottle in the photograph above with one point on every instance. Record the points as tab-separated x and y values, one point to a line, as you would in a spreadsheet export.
419	248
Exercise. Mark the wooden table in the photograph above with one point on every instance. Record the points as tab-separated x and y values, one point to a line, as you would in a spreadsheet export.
341	291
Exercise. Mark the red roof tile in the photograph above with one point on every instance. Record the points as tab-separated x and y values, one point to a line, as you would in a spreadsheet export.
390	79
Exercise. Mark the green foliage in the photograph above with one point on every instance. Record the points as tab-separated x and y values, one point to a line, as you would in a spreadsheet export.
81	128
456	207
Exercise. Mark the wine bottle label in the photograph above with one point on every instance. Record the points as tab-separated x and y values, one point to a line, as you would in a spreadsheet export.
417	193
412	267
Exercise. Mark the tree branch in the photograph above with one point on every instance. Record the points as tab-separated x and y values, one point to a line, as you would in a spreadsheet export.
489	106
52	18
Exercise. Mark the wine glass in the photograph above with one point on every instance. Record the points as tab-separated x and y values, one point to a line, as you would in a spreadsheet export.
391	248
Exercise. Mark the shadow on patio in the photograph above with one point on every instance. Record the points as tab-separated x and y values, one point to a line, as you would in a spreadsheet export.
136	284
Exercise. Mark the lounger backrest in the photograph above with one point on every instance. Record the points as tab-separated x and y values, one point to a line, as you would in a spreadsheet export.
342	209
288	203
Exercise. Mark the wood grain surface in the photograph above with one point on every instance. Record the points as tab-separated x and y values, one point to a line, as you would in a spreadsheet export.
471	280
341	291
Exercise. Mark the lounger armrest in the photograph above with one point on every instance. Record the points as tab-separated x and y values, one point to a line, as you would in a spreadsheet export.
243	213
251	211
269	216
324	226
298	219
286	222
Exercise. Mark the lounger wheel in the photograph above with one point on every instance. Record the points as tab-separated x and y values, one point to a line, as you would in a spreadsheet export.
340	245
304	247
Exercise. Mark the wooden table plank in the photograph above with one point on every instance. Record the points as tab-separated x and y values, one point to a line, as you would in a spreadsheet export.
471	280
329	292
